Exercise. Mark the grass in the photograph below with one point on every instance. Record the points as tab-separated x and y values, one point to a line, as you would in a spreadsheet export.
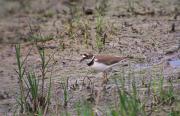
35	96
21	72
131	6
85	32
33	100
132	103
100	34
102	7
65	92
129	103
73	16
40	38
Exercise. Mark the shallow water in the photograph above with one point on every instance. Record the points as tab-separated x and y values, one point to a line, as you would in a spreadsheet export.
174	63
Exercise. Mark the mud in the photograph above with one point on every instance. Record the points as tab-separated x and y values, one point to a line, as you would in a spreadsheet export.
146	33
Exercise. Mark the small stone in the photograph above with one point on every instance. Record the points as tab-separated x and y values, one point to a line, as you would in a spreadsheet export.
88	11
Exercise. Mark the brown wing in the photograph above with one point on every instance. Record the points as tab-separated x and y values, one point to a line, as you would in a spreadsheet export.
109	59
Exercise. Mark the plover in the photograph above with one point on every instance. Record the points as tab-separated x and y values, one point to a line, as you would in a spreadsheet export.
102	63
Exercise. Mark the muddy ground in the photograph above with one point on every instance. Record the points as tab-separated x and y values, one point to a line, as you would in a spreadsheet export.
144	32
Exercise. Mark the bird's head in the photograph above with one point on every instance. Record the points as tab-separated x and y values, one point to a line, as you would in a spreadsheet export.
86	56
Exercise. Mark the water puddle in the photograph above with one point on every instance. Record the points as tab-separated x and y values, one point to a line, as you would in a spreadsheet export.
174	63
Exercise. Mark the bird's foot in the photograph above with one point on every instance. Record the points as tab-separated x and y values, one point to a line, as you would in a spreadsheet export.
105	81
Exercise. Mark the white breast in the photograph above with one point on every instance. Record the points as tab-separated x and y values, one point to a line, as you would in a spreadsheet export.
99	66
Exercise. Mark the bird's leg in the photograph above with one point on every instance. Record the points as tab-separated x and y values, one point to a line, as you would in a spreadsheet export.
105	80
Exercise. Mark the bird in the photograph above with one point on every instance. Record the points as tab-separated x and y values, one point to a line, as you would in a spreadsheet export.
102	63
